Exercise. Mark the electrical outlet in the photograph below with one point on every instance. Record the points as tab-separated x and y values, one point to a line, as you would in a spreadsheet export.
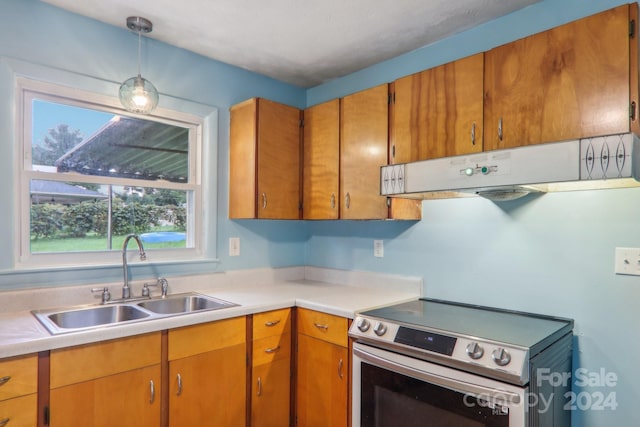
627	261
378	248
234	246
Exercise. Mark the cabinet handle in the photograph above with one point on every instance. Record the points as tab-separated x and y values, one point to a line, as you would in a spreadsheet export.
179	392
152	388
264	201
347	200
272	349
340	363
500	129
333	201
320	326
473	134
4	422
271	323
5	380
259	386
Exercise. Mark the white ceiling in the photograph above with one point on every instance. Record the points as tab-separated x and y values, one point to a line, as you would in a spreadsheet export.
303	42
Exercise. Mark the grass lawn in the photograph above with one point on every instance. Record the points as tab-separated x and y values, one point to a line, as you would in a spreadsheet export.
92	243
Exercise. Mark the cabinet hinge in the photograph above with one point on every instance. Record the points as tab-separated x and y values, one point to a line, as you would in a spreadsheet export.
632	28
46	416
390	99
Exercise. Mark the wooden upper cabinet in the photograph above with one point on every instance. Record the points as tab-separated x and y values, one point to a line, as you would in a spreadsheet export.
568	82
363	150
264	169
438	112
321	162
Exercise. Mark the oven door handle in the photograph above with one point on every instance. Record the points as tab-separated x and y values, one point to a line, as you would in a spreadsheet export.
503	397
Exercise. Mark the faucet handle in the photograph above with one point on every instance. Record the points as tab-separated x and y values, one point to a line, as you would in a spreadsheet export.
161	281
106	295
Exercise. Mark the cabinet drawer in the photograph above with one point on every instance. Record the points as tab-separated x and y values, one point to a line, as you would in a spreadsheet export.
86	362
323	326
18	376
268	349
270	323
197	339
21	411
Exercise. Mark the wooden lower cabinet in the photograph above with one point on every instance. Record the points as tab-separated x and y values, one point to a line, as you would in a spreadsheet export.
208	374
18	391
322	381
116	382
127	399
271	369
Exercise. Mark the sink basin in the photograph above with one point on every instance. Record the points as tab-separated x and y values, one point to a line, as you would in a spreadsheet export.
74	319
82	318
184	303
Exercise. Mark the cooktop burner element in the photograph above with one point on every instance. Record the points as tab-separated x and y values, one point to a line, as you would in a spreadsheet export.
492	342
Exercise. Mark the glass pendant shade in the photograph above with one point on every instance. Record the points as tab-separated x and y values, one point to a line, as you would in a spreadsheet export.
138	95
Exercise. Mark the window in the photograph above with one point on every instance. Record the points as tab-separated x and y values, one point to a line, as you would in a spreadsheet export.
92	173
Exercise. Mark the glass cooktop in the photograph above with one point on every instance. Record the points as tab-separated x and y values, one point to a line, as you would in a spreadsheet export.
512	327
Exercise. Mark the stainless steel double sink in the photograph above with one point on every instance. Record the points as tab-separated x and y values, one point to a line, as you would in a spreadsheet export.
74	319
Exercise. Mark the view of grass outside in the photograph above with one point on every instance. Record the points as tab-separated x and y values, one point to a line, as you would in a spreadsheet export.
84	214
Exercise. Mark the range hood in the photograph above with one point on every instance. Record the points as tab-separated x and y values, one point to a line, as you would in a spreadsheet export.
611	161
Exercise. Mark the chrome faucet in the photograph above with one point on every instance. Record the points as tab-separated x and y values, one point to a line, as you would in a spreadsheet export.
126	290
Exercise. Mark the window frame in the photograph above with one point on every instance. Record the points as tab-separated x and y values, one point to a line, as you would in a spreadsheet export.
28	89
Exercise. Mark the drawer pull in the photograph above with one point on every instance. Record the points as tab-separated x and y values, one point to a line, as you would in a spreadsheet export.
3	381
340	363
259	386
179	392
321	326
272	349
153	391
4	422
271	323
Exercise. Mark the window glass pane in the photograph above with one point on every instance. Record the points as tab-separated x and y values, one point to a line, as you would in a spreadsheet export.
78	217
89	142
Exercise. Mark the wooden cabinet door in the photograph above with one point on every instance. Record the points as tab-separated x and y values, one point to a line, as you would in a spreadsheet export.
271	393
322	383
363	150
264	169
438	112
209	389
19	411
568	82
321	164
208	374
128	399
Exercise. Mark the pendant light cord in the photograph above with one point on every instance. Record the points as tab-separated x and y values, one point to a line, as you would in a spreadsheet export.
139	49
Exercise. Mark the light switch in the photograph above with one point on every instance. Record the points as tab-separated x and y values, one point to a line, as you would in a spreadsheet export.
627	261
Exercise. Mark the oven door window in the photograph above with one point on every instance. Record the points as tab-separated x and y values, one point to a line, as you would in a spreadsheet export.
389	399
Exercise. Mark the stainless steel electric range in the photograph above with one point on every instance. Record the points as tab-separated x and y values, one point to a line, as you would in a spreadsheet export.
441	363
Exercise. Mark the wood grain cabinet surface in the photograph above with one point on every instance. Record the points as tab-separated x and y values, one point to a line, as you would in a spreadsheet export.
271	369
207	374
265	155
18	391
572	81
322	383
116	382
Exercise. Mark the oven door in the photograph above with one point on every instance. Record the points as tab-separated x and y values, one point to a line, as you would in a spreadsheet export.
391	390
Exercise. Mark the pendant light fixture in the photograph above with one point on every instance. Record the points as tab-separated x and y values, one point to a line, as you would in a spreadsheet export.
138	94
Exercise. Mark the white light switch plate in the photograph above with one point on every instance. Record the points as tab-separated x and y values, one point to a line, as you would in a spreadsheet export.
378	248
627	261
234	246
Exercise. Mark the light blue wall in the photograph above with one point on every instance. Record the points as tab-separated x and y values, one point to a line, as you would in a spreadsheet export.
551	254
41	35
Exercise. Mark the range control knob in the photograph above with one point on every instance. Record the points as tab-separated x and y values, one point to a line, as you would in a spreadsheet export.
363	324
474	350
380	329
501	356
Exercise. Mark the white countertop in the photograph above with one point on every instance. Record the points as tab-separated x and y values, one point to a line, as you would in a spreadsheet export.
330	291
